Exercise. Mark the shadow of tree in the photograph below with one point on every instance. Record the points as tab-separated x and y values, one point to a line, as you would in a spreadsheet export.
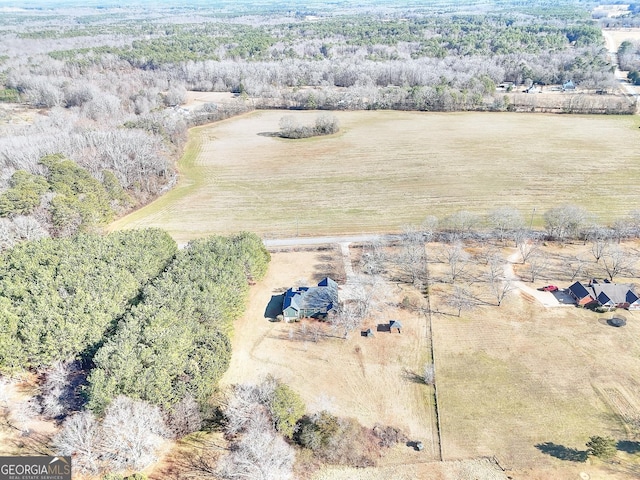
628	446
274	307
412	376
562	452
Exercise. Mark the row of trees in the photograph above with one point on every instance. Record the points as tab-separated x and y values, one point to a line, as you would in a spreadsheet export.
59	298
562	223
175	341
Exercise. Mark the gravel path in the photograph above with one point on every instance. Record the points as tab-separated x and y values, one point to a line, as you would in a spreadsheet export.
547	299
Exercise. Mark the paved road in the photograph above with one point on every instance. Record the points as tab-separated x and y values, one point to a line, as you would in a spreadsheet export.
620	75
300	241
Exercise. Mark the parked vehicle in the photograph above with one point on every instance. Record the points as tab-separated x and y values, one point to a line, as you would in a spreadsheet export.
549	288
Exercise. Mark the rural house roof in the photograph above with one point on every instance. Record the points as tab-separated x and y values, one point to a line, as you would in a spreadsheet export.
320	299
395	324
579	291
292	298
617	293
603	299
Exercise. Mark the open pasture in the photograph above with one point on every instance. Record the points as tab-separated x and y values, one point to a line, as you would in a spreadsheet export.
619	35
530	384
375	380
386	169
526	384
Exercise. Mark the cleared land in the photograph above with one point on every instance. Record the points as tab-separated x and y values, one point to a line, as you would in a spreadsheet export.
619	35
370	379
525	384
387	169
530	384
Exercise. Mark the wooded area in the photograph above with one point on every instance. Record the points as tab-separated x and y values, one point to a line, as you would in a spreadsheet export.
110	79
147	320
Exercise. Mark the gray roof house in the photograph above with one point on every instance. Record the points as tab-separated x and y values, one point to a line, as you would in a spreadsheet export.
613	295
395	324
619	295
304	302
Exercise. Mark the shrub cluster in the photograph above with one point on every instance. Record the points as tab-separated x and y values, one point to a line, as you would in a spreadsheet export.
325	124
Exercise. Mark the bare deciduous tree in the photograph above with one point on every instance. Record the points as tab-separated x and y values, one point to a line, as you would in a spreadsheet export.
412	259
625	227
132	432
429	228
505	221
259	454
241	404
461	299
457	259
21	414
460	223
57	395
347	318
538	263
617	262
184	418
500	289
527	247
429	373
373	257
27	228
576	266
598	248
81	437
564	222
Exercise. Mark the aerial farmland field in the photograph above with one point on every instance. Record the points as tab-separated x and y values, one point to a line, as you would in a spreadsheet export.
385	169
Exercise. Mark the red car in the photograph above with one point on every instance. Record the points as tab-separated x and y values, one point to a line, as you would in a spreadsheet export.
549	288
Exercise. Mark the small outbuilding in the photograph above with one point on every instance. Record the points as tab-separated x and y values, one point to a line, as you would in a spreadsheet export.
395	324
367	333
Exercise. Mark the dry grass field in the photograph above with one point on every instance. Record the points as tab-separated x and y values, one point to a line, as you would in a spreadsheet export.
525	384
387	169
619	35
370	379
530	384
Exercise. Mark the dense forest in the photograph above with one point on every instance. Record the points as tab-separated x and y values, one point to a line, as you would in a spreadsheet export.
123	327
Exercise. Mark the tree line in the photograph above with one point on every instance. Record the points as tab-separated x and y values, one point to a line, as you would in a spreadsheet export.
129	334
175	341
112	106
150	321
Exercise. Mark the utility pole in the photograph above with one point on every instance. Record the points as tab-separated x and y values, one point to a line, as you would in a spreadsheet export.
531	222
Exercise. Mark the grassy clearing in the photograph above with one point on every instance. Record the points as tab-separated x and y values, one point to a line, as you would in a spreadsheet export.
621	34
370	379
530	385
387	169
